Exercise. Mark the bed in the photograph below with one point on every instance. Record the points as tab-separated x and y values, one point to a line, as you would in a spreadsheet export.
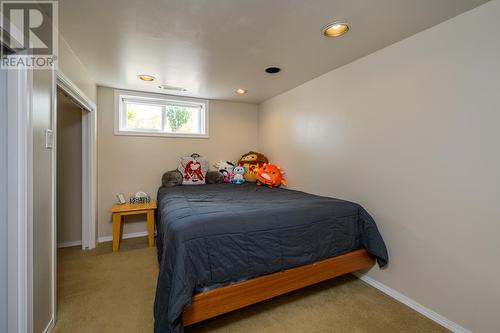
223	246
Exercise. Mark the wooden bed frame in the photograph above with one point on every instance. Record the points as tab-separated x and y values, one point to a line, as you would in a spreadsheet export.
215	302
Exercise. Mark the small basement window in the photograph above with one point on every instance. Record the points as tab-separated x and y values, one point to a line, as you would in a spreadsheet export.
160	115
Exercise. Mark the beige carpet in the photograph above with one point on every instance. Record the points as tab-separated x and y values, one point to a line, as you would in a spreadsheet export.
101	291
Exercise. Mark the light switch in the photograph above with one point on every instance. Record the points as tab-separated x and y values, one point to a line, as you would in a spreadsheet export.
49	138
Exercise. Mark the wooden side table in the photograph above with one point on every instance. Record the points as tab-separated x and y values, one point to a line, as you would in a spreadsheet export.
132	209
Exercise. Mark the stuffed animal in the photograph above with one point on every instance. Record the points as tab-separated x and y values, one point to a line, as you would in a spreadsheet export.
214	177
271	175
252	161
193	169
238	178
171	178
226	168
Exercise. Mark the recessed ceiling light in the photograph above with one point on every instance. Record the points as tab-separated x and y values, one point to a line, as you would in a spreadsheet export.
241	91
273	70
145	77
167	87
335	29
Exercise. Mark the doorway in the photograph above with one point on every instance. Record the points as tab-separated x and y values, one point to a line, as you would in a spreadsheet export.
69	171
74	99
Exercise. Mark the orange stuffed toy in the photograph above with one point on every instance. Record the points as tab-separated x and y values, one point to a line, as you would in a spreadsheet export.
271	175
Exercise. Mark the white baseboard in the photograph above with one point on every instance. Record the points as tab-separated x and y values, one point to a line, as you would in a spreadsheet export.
445	322
125	236
104	239
69	244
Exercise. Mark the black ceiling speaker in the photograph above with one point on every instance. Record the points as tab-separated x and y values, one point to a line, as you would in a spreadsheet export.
273	70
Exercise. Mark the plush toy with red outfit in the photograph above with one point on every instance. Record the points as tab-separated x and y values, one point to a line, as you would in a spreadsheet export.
193	169
271	175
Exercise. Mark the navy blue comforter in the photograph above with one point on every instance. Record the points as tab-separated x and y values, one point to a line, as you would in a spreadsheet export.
218	234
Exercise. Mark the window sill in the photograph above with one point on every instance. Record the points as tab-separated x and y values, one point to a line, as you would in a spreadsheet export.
165	135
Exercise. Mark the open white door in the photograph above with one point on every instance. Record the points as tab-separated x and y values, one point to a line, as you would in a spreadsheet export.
16	92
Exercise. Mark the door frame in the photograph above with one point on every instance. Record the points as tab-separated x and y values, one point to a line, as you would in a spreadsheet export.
89	158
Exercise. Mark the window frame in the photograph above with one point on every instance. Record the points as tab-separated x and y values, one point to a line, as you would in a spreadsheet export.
162	99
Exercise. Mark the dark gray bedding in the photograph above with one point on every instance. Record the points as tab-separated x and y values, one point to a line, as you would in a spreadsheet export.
218	234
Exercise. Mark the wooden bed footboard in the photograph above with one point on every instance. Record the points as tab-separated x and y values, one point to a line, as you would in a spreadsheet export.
215	302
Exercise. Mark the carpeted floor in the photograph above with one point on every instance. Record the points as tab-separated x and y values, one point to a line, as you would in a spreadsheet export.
102	291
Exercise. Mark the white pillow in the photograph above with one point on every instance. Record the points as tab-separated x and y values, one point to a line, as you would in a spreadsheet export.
194	169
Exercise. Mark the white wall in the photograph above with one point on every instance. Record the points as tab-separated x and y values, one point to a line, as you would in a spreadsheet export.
411	132
128	164
71	66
